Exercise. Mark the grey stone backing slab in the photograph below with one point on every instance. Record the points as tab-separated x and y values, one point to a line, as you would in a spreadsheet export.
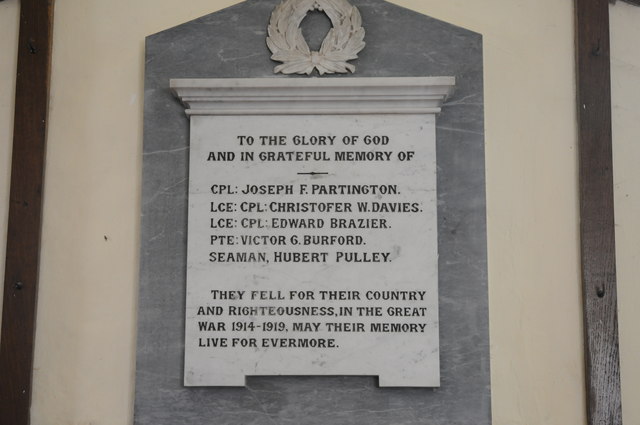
231	43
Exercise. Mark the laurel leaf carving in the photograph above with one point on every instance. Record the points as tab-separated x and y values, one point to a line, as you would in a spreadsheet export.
342	43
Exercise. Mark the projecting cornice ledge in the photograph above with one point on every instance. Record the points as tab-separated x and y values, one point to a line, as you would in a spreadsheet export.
314	96
633	2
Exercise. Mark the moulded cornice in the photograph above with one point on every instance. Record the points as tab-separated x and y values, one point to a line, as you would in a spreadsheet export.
315	96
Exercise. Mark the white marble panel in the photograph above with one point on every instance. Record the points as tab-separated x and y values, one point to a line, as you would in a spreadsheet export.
299	245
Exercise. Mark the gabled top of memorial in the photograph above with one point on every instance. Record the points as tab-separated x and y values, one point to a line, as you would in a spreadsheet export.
231	43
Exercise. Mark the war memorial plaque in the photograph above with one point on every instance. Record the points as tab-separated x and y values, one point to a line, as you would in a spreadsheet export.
313	219
312	241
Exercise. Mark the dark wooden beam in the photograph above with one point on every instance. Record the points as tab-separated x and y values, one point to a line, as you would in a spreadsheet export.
25	211
597	231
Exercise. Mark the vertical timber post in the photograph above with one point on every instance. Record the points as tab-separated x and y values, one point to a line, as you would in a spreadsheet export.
597	231
25	211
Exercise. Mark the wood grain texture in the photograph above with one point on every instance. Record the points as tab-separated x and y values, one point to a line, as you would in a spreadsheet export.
596	213
25	210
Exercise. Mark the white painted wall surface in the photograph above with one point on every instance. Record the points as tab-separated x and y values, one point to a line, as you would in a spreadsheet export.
84	364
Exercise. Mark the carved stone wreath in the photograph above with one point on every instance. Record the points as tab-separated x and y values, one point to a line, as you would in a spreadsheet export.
343	42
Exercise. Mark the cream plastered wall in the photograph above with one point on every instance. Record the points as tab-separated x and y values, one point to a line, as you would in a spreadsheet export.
8	51
625	86
85	343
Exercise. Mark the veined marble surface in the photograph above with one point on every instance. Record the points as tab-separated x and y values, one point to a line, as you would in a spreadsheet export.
230	44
